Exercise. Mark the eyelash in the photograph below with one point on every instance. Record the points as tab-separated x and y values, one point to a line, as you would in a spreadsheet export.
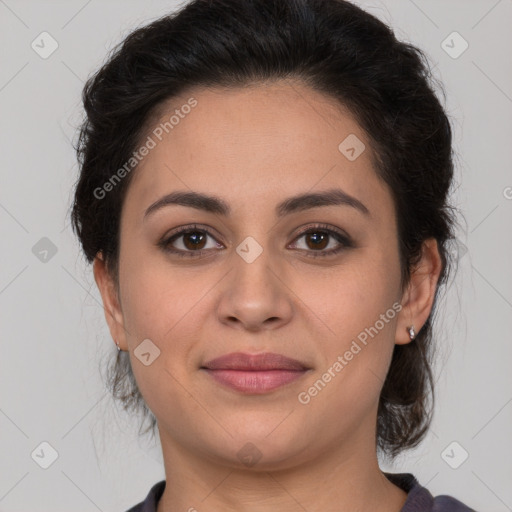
343	239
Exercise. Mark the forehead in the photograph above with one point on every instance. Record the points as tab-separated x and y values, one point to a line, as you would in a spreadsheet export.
266	140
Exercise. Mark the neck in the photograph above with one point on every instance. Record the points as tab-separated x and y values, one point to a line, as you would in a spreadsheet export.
346	479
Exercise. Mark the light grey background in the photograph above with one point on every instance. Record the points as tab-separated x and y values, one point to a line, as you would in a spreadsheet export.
54	336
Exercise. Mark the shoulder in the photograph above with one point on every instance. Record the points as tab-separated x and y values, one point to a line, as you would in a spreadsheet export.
419	499
445	503
151	500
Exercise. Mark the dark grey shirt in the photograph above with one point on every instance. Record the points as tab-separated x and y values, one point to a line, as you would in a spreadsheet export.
419	499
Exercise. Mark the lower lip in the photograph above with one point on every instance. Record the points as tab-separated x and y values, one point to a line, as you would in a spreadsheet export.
255	381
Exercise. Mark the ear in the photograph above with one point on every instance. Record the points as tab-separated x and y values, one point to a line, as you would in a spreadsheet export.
418	298
111	305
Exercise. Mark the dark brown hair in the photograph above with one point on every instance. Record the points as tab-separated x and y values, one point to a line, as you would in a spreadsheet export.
334	47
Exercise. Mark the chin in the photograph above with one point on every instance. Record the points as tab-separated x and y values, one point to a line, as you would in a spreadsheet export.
269	448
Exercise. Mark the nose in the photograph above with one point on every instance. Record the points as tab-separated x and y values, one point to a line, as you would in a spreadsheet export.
255	295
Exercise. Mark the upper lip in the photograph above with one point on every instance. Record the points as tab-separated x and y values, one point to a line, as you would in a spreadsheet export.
254	362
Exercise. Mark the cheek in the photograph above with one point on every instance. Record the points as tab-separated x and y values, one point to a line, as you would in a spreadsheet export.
145	304
350	297
158	306
167	306
355	310
154	297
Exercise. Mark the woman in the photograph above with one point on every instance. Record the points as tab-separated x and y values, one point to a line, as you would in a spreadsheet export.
263	194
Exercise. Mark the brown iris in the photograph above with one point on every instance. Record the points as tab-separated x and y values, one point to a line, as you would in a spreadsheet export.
197	240
320	239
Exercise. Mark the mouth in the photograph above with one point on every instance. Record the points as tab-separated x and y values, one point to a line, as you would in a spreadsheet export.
254	373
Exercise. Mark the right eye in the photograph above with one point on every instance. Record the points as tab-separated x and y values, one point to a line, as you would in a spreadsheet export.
192	240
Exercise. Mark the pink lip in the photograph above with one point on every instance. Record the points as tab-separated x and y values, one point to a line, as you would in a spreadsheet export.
258	373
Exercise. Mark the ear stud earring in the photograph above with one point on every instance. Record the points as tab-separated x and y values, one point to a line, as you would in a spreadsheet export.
412	332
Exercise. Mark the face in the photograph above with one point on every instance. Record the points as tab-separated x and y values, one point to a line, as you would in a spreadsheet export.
314	280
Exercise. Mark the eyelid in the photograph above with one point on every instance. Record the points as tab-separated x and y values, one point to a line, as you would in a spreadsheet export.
321	227
189	228
343	239
165	242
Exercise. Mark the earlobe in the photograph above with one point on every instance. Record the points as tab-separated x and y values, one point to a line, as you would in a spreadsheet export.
420	293
111	307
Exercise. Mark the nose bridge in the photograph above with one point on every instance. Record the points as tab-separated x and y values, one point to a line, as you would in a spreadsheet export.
254	292
253	267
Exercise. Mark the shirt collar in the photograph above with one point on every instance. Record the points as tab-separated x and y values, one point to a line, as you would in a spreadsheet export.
418	498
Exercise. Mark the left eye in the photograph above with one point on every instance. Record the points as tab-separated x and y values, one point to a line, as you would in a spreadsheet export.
319	240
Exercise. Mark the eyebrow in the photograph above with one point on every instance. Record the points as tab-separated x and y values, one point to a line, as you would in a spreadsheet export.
298	203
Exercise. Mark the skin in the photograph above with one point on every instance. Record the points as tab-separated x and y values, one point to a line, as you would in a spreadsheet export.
254	147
